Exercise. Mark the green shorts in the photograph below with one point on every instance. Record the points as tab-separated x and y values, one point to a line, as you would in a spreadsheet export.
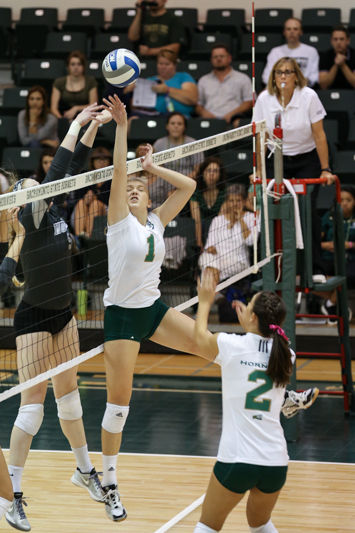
133	324
240	477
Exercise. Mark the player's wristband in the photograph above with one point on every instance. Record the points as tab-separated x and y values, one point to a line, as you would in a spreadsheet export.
326	170
74	129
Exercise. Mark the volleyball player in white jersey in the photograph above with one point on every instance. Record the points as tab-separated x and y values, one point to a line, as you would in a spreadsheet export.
256	368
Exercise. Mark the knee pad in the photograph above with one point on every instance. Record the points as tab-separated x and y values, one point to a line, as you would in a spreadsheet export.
69	406
30	418
115	417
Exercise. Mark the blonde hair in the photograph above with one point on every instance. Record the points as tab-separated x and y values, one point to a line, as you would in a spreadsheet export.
300	79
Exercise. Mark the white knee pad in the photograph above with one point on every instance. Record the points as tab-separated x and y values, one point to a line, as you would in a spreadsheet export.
69	406
115	417
30	418
266	528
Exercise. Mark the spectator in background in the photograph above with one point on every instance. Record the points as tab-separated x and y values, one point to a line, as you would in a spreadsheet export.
45	161
176	127
337	65
207	200
73	92
94	200
35	124
348	208
154	28
224	93
305	148
306	56
176	91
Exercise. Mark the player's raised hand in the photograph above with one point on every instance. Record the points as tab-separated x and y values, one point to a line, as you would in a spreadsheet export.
103	117
147	156
206	287
88	113
117	109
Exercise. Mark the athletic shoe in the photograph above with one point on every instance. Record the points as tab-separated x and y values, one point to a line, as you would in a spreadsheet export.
90	482
329	310
113	506
16	515
295	401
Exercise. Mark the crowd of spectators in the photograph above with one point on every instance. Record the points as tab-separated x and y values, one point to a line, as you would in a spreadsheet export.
292	74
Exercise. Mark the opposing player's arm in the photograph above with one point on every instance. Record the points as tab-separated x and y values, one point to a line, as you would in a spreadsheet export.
207	341
117	207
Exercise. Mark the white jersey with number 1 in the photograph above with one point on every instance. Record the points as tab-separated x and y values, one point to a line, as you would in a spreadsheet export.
135	256
252	432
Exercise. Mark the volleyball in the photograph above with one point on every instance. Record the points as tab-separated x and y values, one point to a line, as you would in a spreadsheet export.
121	67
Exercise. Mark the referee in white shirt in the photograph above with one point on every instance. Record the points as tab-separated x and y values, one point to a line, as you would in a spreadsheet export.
305	148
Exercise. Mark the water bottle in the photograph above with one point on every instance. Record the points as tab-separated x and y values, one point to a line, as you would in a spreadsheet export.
169	103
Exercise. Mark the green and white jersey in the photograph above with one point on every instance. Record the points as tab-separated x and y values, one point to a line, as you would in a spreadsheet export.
251	431
135	255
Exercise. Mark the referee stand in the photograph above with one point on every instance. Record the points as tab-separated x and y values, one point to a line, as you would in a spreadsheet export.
280	274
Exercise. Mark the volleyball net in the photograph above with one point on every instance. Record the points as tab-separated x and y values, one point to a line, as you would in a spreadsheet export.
218	229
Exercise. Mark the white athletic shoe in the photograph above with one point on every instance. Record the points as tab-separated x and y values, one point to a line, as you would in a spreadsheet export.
113	506
16	515
90	482
295	401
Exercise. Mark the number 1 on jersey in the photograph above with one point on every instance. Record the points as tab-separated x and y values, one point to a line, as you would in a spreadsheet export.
150	255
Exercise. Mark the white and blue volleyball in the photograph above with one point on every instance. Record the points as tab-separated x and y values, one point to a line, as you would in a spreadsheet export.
121	67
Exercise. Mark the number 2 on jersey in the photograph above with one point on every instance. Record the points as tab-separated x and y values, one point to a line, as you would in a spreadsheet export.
251	401
150	255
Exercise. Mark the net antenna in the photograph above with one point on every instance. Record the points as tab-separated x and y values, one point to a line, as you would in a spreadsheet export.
226	139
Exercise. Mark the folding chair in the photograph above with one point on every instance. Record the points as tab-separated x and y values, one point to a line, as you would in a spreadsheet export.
202	43
105	42
197	68
263	44
23	160
320	41
223	20
14	99
147	129
32	29
272	19
198	128
60	44
122	18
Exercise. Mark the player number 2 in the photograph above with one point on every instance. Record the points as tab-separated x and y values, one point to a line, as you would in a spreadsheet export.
251	400
150	255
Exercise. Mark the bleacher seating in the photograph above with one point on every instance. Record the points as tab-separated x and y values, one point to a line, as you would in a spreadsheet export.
146	129
5	32
263	44
344	165
272	19
24	160
105	42
32	29
60	44
42	72
320	19
8	131
321	41
14	99
86	20
225	21
198	128
202	43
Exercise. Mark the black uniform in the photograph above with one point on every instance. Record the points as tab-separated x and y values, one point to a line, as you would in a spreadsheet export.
46	255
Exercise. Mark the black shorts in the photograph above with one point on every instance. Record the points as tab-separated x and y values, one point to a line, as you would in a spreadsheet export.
240	477
30	319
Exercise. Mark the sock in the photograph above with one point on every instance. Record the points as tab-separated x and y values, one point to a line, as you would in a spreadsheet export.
16	477
109	463
4	506
202	528
82	459
266	528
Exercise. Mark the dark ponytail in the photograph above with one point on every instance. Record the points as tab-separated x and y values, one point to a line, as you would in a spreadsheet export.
271	311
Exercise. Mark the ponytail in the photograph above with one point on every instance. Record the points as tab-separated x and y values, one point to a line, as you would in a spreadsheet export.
271	311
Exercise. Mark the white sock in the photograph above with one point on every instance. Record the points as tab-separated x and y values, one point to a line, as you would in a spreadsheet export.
16	477
82	459
109	463
4	506
202	528
266	528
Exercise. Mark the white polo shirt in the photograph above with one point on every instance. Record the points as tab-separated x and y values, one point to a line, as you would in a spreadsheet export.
303	110
306	56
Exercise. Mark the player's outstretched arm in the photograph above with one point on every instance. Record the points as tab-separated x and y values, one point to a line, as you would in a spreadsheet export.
184	186
206	289
117	207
